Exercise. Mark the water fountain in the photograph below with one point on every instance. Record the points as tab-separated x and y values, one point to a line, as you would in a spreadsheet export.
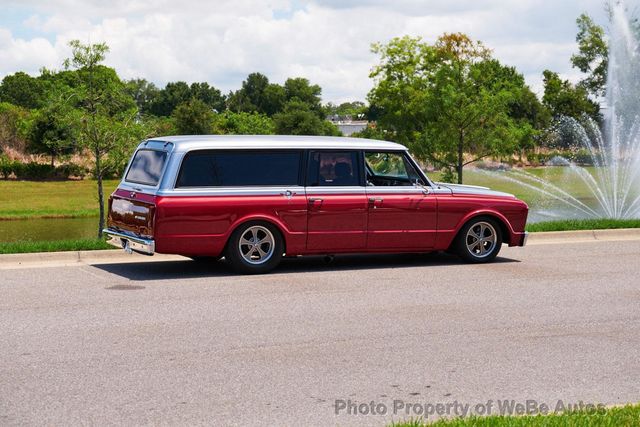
611	188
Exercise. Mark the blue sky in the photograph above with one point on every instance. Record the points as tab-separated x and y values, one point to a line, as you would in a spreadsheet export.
326	41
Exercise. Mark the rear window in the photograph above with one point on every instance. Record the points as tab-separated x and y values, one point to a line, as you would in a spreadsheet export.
226	169
146	167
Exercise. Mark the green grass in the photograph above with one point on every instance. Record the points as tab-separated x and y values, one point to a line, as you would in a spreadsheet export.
583	224
54	246
56	199
613	417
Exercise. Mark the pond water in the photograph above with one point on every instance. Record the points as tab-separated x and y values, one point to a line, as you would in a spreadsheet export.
45	229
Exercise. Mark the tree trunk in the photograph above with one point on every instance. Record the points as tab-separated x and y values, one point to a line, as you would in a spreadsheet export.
100	194
460	155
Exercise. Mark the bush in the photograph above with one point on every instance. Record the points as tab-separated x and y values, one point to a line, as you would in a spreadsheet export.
39	171
36	171
69	170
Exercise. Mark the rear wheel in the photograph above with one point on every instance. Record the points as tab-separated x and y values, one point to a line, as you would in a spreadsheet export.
479	240
254	247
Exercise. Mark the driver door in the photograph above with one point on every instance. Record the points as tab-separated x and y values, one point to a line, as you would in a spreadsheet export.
402	215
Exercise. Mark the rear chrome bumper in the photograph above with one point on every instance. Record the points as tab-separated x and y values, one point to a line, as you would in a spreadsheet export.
524	239
130	242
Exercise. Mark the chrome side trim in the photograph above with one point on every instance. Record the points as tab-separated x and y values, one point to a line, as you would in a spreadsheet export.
399	190
336	190
285	191
130	242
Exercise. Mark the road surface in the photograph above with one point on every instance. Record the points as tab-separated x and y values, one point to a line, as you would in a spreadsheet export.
174	342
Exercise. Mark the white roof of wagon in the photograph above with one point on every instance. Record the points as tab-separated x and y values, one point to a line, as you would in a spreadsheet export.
184	143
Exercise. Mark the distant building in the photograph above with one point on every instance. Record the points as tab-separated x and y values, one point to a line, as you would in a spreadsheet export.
348	126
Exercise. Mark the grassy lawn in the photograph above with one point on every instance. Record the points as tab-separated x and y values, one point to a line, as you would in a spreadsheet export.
31	199
583	224
627	416
54	246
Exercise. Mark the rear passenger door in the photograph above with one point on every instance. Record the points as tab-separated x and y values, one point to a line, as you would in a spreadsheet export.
336	201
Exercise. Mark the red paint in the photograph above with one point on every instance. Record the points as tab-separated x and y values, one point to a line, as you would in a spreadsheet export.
322	223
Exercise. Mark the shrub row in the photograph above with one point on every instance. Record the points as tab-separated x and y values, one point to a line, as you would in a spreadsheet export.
39	171
579	157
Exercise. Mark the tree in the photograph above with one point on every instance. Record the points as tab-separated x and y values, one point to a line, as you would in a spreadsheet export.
22	90
13	127
297	118
355	110
209	95
145	93
50	133
244	124
193	117
105	113
592	56
565	99
173	94
257	95
447	101
301	90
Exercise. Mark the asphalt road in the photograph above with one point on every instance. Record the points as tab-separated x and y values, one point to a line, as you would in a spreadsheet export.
173	342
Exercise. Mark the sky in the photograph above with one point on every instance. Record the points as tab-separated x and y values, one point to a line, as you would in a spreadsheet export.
326	41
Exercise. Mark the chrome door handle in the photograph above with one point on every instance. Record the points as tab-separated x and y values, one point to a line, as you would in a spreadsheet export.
314	199
375	199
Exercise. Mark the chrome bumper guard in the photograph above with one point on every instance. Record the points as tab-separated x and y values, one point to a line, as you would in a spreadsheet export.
524	239
129	242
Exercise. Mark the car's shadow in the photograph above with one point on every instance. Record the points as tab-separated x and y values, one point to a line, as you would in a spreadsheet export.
168	270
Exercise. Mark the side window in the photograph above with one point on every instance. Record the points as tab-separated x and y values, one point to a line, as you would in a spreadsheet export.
333	168
389	169
207	168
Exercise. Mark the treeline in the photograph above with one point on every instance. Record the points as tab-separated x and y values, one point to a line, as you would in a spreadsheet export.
450	101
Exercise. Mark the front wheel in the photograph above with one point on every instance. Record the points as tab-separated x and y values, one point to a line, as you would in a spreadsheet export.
479	240
254	248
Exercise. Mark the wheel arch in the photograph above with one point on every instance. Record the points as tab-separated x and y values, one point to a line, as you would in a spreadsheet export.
505	228
279	226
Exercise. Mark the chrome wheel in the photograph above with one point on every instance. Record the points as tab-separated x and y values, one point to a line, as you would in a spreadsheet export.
256	245
481	239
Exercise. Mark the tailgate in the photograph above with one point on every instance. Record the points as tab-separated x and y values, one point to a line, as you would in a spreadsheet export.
132	211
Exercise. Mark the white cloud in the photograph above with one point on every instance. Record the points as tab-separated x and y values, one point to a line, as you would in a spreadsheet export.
326	41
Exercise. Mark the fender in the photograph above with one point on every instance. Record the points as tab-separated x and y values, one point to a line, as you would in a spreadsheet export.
445	237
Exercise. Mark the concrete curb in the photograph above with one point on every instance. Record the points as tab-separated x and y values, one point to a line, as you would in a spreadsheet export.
52	259
78	257
546	237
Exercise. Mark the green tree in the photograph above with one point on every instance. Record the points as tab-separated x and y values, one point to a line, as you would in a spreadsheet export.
105	114
301	90
193	117
357	110
173	94
297	118
144	93
565	99
257	95
22	90
592	57
14	124
209	95
52	134
446	101
244	124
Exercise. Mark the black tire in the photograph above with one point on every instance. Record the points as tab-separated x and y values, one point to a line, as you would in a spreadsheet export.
466	243
246	258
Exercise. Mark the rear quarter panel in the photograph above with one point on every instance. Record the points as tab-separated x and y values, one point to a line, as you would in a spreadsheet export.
201	225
